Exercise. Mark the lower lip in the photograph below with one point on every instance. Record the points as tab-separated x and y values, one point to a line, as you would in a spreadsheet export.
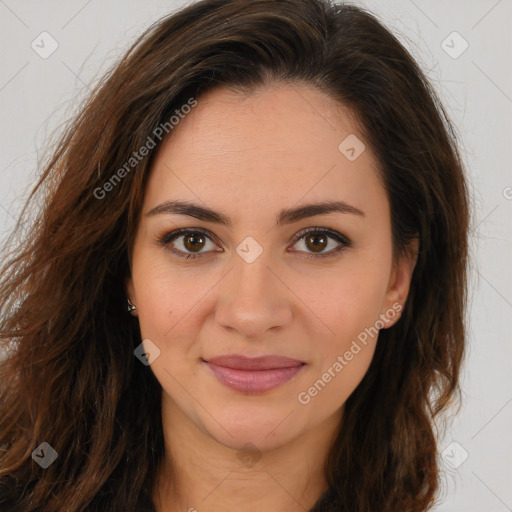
254	381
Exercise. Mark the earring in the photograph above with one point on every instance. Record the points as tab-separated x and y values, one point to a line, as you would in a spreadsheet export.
131	306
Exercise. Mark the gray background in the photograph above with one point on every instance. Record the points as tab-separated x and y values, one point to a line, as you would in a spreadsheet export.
37	95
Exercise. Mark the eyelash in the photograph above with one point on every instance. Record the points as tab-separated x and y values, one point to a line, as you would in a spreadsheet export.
343	241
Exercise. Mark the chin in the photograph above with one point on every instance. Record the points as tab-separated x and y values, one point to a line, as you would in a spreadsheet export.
264	435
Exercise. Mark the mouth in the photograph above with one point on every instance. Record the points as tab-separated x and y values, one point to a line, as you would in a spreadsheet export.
239	362
253	375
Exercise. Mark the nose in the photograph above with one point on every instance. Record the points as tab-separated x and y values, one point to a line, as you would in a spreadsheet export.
253	299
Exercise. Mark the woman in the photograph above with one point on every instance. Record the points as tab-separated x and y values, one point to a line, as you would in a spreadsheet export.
246	286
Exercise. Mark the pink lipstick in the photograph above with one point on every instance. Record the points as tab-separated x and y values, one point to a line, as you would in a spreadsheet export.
253	375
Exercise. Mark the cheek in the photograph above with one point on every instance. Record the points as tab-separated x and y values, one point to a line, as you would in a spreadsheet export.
350	306
173	304
342	358
355	333
162	297
350	301
339	376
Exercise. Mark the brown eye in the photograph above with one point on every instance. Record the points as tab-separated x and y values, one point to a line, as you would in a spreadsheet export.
194	241
316	240
187	243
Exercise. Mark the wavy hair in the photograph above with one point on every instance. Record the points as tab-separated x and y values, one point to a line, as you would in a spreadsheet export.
69	377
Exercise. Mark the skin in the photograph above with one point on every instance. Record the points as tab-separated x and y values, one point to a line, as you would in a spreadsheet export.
248	157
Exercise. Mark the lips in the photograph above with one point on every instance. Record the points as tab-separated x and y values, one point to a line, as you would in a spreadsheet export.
253	375
239	362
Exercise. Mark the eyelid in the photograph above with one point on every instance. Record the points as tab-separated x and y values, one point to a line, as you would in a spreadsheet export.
172	235
327	231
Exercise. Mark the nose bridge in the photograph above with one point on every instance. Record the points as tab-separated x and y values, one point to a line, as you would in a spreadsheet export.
252	278
252	298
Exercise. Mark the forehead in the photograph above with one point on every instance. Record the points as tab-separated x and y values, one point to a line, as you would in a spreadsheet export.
278	144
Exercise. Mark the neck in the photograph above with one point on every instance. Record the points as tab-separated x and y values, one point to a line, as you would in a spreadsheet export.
200	474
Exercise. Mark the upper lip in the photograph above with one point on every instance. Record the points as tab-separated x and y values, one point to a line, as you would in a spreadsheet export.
240	362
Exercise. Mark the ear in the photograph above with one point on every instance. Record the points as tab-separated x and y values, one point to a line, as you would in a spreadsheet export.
399	284
130	293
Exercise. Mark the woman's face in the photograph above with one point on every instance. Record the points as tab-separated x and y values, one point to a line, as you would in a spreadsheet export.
253	289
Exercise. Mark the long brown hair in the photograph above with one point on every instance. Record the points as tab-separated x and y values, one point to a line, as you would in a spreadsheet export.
70	377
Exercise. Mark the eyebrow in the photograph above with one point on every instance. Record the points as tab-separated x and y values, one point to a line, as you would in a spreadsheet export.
285	216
